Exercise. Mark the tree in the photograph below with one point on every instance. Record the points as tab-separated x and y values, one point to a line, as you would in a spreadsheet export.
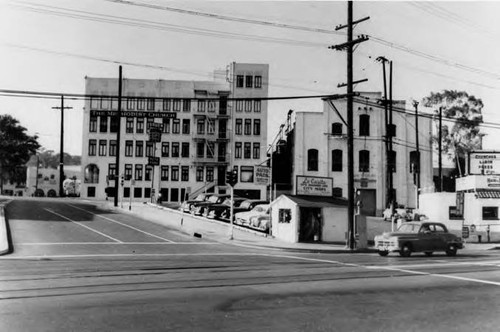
16	147
464	135
48	159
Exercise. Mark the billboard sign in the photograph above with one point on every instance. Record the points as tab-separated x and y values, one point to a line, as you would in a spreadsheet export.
314	186
484	162
262	175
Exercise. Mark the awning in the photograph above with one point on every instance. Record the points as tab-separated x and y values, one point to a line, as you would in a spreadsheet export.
488	194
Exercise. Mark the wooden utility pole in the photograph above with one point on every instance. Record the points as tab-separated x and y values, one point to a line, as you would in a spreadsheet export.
417	171
348	46
118	133
61	148
440	150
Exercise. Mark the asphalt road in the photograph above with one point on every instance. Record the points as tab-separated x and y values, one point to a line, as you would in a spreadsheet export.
75	267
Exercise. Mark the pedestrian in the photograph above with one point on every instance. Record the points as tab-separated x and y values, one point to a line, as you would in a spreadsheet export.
158	200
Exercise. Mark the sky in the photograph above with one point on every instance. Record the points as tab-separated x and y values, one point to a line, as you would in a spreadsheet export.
51	45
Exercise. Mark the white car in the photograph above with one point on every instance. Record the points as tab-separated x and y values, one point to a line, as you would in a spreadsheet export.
243	218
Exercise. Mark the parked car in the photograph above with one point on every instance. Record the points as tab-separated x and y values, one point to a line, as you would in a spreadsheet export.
243	218
261	222
244	206
214	211
198	208
186	205
414	236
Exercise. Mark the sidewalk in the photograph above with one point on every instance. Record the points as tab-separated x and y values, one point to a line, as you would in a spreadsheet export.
220	231
243	237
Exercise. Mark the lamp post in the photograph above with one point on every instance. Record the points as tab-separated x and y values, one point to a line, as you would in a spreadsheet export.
36	176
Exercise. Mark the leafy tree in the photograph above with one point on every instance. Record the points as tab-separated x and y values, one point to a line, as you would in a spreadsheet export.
464	135
48	159
16	146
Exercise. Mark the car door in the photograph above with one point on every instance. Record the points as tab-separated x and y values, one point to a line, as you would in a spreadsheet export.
438	237
424	240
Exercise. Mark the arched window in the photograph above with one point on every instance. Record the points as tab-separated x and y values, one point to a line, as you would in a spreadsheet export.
337	161
364	125
312	160
364	161
337	128
91	174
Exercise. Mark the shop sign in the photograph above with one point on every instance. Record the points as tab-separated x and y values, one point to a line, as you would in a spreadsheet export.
262	174
314	186
484	163
154	135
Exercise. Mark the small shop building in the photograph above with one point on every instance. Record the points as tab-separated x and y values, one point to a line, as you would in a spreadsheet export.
309	219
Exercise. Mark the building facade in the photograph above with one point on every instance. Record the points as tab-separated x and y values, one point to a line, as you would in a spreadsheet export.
316	144
205	131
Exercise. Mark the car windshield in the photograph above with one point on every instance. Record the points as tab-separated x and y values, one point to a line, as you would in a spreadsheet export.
245	204
260	208
408	228
213	199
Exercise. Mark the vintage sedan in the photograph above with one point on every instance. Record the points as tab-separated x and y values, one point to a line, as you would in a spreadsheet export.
244	206
187	205
214	211
198	208
243	218
415	236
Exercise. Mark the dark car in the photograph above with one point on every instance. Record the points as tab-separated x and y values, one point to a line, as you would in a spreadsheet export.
186	205
198	208
214	211
246	205
417	236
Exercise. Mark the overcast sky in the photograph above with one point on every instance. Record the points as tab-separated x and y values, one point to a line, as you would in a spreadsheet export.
52	45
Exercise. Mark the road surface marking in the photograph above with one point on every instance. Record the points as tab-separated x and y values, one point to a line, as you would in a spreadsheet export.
80	224
120	223
106	243
439	264
449	276
119	255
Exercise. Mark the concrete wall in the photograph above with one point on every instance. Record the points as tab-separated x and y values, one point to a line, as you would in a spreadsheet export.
334	224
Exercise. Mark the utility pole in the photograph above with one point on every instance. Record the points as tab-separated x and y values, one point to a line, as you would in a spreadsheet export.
417	168
348	46
61	148
440	152
118	133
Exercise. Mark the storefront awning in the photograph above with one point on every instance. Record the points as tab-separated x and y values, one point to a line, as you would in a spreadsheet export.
488	194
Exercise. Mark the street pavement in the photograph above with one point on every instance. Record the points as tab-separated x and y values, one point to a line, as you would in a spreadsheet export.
82	266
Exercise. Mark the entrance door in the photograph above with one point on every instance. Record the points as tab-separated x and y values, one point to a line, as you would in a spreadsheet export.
310	225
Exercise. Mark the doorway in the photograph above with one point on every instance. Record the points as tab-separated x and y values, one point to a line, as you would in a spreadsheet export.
310	225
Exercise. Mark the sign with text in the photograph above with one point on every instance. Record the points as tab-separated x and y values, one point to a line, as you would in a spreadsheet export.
262	175
154	161
155	126
314	186
481	162
135	114
154	135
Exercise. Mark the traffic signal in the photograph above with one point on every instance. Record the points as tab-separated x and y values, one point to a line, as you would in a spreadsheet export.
122	180
229	177
234	177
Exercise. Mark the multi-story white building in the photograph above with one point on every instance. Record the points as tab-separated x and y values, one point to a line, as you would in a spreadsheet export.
205	132
318	153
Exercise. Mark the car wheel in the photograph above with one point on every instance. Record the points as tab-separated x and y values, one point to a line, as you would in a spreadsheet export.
383	253
451	250
405	250
428	253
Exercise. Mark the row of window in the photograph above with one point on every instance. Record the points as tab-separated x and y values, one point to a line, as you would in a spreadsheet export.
246	150
168	149
364	126
174	126
249	81
176	104
140	172
337	160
